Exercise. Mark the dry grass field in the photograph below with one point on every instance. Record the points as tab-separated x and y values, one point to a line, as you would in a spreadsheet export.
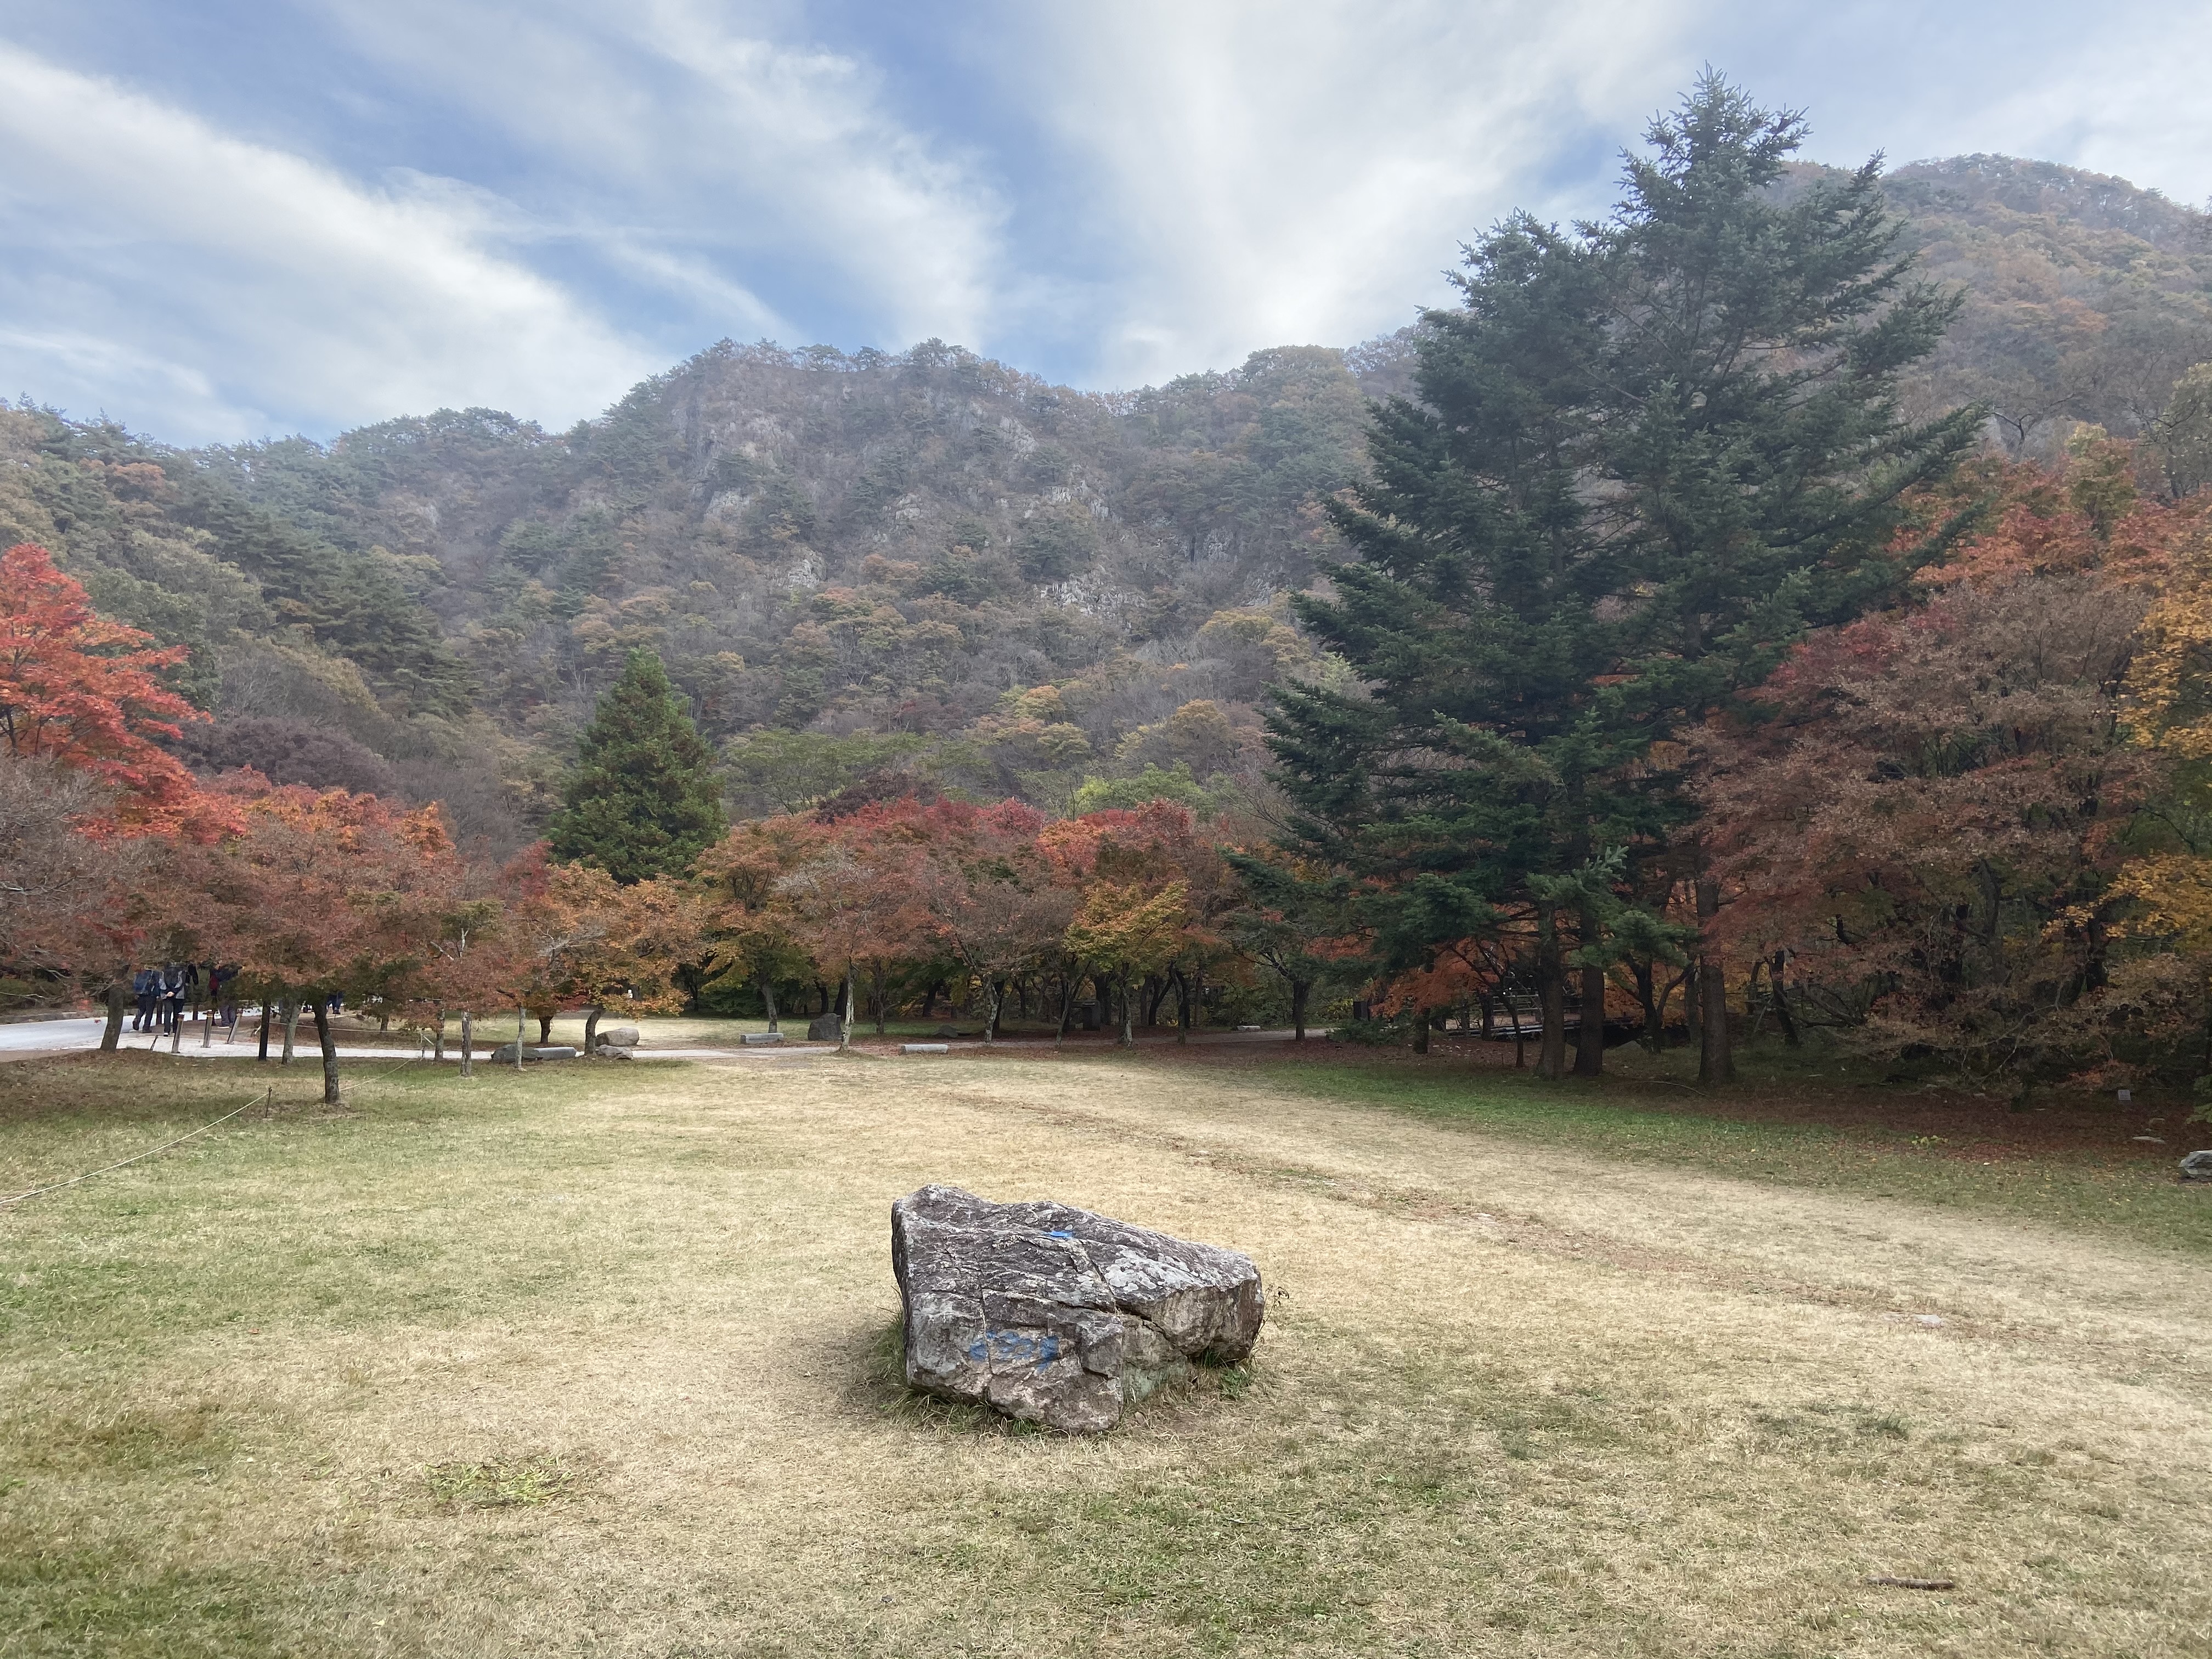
602	1361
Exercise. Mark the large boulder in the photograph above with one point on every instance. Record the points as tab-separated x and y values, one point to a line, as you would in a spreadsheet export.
2198	1166
620	1036
824	1028
1057	1315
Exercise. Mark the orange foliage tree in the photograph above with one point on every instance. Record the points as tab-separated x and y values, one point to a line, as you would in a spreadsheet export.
84	690
1929	819
315	895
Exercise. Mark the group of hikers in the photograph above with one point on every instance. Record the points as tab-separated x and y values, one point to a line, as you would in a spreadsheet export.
164	993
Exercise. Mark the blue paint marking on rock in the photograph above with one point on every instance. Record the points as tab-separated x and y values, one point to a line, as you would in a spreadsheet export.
1059	1234
1014	1348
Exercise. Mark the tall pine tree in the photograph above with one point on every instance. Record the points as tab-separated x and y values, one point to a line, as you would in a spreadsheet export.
643	799
1646	454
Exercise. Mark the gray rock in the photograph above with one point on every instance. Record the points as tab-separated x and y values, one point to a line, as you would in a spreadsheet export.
756	1039
944	1032
558	1051
925	1048
2198	1166
1057	1315
615	1051
622	1036
823	1028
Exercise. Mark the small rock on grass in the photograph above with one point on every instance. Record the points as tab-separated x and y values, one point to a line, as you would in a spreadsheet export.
2198	1166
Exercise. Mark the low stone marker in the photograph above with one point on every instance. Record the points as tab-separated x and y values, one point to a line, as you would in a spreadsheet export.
756	1039
505	1052
1057	1315
2198	1166
615	1051
925	1047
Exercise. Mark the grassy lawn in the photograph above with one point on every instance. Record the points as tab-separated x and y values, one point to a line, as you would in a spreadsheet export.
2097	1178
601	1361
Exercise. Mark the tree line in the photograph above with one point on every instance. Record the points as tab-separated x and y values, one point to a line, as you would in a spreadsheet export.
1680	683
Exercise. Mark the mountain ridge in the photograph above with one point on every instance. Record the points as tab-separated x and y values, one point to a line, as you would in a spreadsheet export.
868	569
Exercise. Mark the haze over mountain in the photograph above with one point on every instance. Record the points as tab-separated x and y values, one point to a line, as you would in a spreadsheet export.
875	570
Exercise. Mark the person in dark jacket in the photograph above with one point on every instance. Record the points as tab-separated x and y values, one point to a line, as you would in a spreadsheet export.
145	985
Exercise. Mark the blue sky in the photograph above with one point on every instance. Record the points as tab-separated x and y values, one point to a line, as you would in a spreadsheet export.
227	220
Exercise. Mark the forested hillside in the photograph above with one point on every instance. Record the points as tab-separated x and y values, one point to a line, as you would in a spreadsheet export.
867	571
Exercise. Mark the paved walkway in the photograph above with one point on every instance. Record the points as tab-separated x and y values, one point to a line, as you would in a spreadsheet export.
22	1039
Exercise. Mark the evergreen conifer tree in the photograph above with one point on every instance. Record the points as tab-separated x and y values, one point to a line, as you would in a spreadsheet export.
1646	454
643	799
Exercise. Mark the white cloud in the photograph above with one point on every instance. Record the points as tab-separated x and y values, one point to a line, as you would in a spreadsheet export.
1277	172
1109	193
690	142
2129	102
204	280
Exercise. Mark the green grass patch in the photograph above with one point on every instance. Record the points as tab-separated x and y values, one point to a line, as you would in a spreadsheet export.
1637	1119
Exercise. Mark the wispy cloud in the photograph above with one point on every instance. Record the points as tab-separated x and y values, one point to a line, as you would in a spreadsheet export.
259	285
1302	173
686	139
255	219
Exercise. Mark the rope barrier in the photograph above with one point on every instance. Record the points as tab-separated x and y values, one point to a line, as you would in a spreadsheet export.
261	1099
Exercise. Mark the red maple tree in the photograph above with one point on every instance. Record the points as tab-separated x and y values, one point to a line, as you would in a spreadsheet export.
84	690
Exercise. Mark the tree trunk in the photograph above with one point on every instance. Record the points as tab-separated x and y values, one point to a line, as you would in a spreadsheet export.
1067	984
328	1044
990	1009
767	997
1716	1056
1420	1031
521	1025
845	1024
1782	1009
118	995
438	1037
267	1008
1589	1029
1156	992
876	978
1128	1016
292	1009
468	1042
1299	990
1646	971
544	1028
1181	983
592	1015
1551	994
